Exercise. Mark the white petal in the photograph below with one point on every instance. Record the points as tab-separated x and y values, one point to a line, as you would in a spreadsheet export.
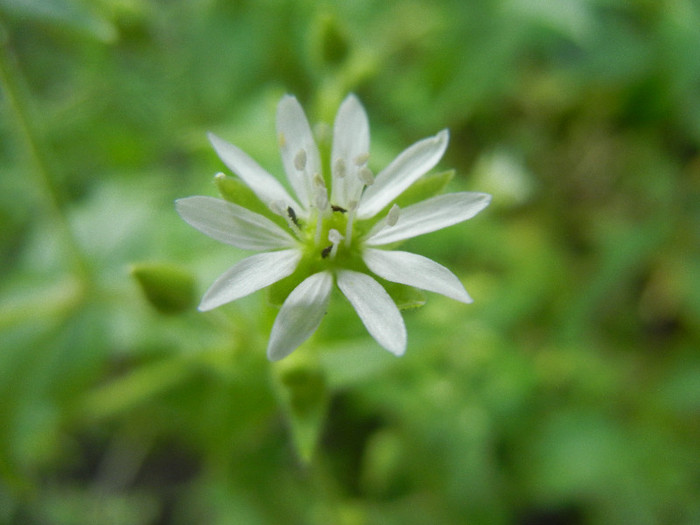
232	224
250	275
350	140
300	315
265	186
430	215
408	167
375	308
295	135
415	270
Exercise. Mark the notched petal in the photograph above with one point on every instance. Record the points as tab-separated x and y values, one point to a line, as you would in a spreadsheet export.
298	149
428	216
415	270
264	185
375	308
300	315
403	171
232	224
250	275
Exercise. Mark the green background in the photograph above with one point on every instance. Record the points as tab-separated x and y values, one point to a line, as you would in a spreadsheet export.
568	393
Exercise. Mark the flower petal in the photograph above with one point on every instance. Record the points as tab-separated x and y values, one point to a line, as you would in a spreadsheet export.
300	315
430	215
232	224
415	270
265	186
375	308
295	136
250	275
408	167
350	141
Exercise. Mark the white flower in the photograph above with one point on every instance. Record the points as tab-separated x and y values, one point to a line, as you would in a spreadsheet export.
332	235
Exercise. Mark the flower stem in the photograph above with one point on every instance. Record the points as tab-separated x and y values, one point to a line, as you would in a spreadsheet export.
13	85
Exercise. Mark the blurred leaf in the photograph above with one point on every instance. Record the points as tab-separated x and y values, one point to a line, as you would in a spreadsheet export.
135	387
72	14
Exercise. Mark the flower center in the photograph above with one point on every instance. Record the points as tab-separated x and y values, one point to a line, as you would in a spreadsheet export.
329	235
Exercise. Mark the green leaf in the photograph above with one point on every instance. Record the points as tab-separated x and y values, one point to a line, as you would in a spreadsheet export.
168	288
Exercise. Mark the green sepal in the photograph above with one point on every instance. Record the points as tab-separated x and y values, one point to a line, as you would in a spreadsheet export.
236	191
405	297
303	393
425	187
279	291
168	288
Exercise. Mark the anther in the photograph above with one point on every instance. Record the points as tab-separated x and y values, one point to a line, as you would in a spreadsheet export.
393	216
366	176
288	214
282	140
339	209
300	160
361	159
339	169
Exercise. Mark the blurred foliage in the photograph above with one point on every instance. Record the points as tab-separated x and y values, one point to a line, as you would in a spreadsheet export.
568	393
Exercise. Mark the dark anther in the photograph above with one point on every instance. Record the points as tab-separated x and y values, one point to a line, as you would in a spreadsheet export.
326	251
292	215
338	208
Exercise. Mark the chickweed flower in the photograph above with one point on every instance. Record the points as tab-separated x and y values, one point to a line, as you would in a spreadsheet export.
337	228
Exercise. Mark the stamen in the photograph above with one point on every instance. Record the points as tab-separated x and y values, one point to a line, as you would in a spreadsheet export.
339	169
321	199
361	159
352	206
335	237
300	160
366	176
393	216
337	208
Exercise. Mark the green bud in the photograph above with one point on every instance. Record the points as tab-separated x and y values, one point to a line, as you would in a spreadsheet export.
330	44
302	389
168	288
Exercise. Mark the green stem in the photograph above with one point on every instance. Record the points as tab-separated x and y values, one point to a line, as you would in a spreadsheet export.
12	84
